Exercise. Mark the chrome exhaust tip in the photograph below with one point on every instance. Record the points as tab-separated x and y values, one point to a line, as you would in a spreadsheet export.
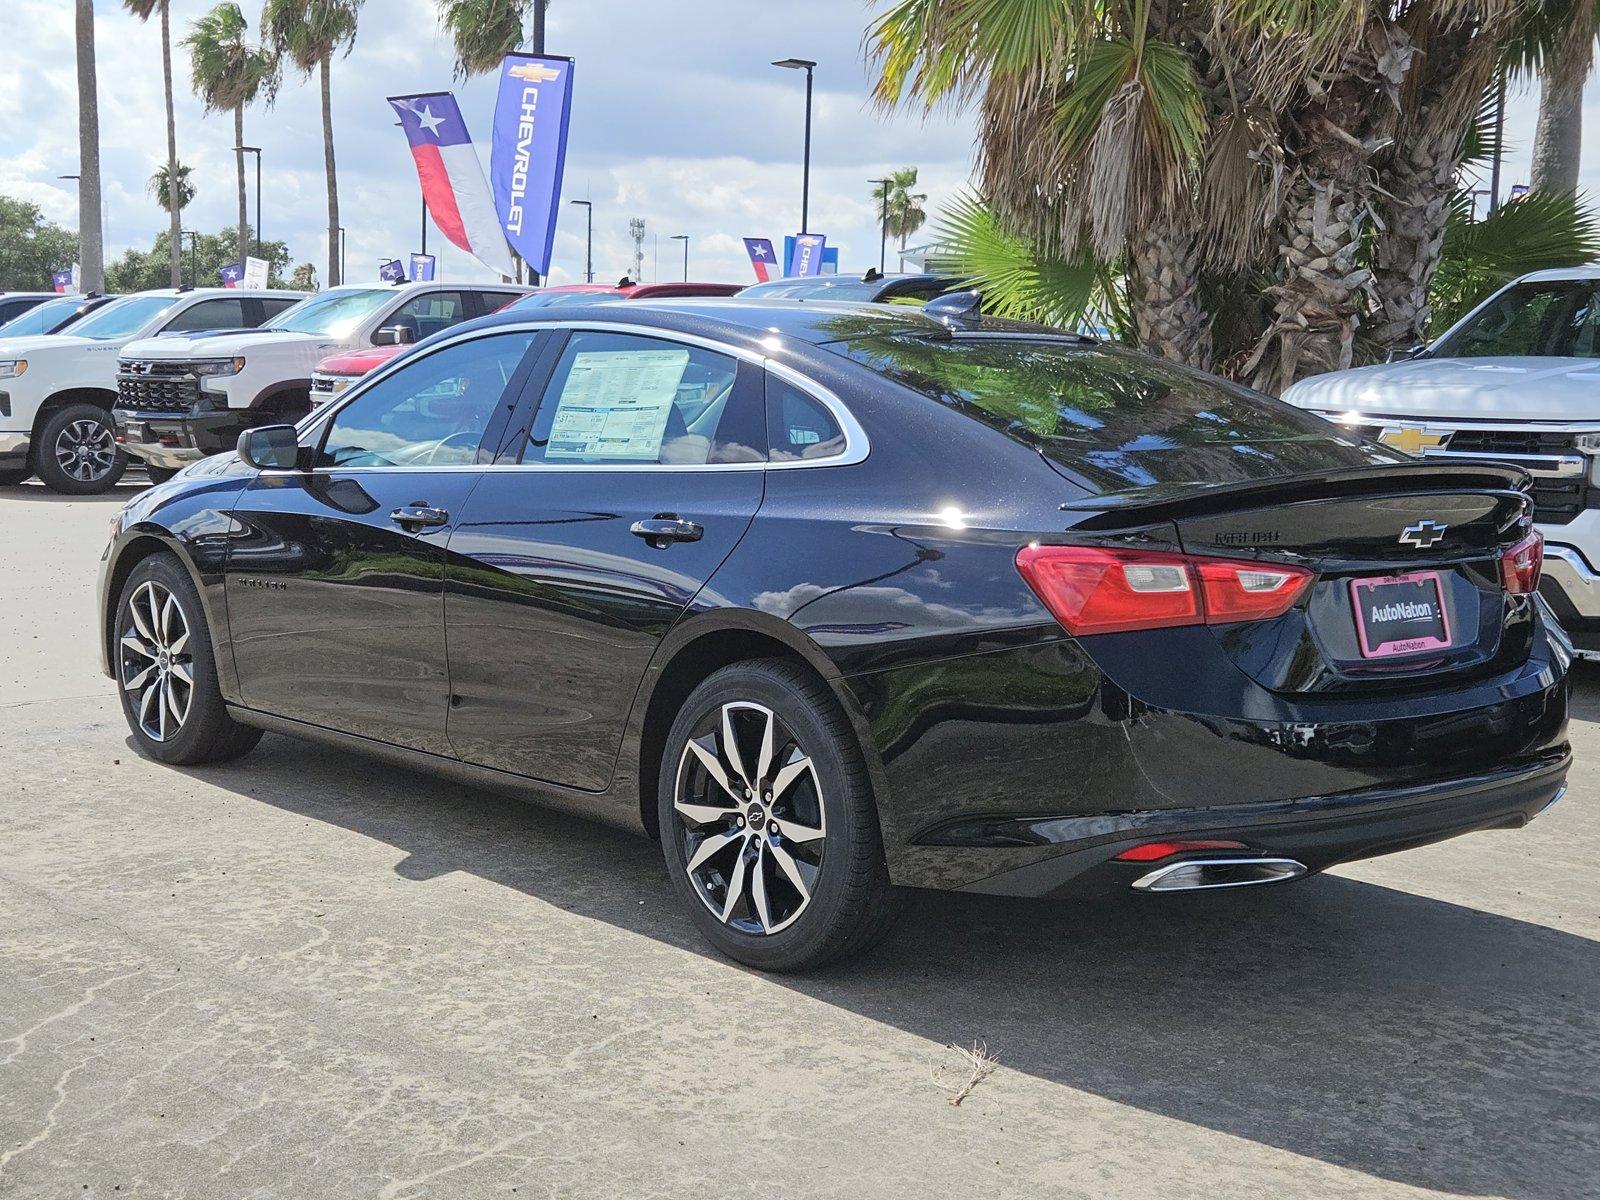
1203	874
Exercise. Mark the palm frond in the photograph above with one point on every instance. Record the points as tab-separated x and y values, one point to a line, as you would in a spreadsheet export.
483	32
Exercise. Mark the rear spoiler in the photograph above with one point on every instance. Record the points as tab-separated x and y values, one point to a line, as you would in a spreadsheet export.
1171	501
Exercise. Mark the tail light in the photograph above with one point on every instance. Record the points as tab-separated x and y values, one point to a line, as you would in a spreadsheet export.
1155	851
1094	589
1520	565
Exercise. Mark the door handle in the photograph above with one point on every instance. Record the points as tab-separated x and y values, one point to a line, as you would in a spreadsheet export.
663	529
408	515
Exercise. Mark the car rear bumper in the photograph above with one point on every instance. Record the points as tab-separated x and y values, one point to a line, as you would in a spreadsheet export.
1318	831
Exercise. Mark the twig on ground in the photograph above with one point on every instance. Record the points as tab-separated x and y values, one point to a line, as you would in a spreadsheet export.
976	1065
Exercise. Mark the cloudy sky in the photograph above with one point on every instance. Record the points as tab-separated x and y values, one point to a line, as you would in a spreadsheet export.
677	118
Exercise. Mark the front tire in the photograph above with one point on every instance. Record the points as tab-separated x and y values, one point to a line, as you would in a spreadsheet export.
767	820
77	452
167	673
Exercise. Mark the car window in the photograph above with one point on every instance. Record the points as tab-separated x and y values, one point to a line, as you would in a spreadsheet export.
494	301
799	426
1536	319
43	318
123	318
626	400
1114	420
429	313
432	412
273	305
332	314
10	309
208	314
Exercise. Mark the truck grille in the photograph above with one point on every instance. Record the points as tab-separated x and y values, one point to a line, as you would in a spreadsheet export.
156	386
1512	441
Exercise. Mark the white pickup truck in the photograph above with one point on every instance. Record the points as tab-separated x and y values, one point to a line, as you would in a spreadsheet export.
56	390
1517	380
181	399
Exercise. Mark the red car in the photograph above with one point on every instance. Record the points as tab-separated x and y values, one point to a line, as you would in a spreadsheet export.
338	371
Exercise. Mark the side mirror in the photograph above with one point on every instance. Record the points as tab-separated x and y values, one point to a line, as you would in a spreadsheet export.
1418	351
394	335
270	447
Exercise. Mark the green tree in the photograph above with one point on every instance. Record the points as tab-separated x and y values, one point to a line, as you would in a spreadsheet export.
304	278
905	214
203	261
144	10
229	74
31	248
308	33
161	189
484	31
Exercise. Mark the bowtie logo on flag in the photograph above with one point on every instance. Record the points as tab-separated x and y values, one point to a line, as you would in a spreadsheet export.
232	274
529	151
762	256
453	184
392	271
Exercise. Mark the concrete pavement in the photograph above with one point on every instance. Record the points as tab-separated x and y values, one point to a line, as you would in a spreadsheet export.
304	975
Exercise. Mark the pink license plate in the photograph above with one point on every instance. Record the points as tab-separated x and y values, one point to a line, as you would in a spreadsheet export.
1400	614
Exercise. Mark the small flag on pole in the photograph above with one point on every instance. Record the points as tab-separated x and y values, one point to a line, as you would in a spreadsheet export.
62	280
762	257
422	267
232	274
392	271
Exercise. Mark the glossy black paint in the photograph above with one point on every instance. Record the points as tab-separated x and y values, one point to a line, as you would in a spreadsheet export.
536	643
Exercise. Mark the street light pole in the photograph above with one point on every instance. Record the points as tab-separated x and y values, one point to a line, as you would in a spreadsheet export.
883	236
588	253
194	254
684	238
808	66
343	272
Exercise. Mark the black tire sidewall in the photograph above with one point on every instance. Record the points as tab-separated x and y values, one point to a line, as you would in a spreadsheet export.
44	457
821	931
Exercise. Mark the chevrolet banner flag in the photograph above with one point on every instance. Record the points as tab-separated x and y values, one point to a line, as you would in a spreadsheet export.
807	259
422	267
529	151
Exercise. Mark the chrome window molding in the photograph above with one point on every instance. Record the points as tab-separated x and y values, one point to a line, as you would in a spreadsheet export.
856	444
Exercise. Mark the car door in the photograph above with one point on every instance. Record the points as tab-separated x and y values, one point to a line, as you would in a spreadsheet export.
335	573
642	469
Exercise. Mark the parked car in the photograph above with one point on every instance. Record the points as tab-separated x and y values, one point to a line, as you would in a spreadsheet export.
181	399
872	287
14	304
56	390
54	315
838	599
339	371
1517	380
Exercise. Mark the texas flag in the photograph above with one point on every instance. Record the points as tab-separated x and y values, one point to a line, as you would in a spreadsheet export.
761	256
453	183
232	274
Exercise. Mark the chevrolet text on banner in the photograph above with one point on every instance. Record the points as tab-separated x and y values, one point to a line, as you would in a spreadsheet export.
762	257
807	254
453	186
529	151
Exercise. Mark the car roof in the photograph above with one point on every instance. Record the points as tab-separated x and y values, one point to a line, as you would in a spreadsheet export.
30	295
1562	275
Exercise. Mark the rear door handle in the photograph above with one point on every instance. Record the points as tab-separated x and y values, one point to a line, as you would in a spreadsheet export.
663	529
408	515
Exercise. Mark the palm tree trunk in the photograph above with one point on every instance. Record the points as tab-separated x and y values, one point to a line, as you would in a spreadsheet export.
238	157
173	207
1558	138
1164	293
91	249
324	71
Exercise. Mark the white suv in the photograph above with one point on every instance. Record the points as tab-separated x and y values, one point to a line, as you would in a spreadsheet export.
181	399
56	390
1517	380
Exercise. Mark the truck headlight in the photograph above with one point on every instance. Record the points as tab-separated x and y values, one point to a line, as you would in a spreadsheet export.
12	367
214	367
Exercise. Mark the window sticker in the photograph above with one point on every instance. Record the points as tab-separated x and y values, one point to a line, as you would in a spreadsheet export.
615	404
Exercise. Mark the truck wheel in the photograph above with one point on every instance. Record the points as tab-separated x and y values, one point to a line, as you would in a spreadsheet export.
77	452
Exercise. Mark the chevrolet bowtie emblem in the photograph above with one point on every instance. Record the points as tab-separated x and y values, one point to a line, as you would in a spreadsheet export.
535	72
1414	439
1423	534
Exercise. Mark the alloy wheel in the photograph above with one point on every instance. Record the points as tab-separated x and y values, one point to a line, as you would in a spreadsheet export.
86	450
750	818
157	670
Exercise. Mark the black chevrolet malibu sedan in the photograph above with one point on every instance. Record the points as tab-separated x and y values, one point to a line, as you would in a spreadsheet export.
838	600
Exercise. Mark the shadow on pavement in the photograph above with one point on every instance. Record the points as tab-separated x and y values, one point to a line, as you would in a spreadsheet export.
1418	1041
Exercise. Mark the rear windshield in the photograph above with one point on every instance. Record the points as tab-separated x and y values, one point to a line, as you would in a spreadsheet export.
1113	420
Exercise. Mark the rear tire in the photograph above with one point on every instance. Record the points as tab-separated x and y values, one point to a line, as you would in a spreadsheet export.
77	451
166	670
787	873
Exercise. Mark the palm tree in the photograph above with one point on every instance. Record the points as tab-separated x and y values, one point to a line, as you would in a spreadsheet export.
144	10
91	248
903	207
229	73
1558	137
485	31
308	33
162	191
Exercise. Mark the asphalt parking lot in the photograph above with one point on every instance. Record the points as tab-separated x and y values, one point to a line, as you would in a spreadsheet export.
303	975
